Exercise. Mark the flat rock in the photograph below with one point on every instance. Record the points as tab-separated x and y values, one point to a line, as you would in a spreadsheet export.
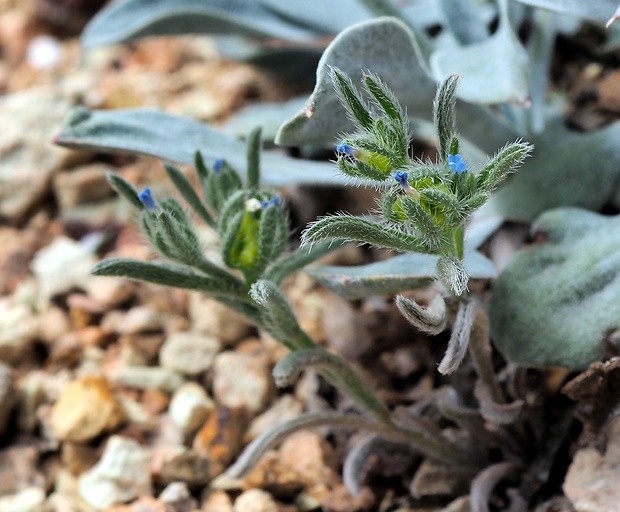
241	380
85	409
122	474
190	353
190	406
27	158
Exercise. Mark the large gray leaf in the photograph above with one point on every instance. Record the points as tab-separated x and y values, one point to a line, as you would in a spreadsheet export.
403	272
491	71
558	303
155	133
324	16
132	19
594	10
384	46
566	169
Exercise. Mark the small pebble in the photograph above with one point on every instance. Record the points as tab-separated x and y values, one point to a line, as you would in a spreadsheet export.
255	500
190	406
85	409
145	377
122	474
240	380
190	353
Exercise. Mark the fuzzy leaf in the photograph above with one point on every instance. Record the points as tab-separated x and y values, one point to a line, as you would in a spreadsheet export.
459	340
566	169
556	303
464	20
403	272
324	16
431	319
492	71
334	369
599	10
351	228
279	317
132	19
155	133
162	273
382	46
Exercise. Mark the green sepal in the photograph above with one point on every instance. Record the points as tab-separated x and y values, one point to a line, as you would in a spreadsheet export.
425	223
272	236
201	169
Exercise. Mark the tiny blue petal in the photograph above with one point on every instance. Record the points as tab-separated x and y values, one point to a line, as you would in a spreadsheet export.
146	198
345	149
274	201
456	164
402	177
218	165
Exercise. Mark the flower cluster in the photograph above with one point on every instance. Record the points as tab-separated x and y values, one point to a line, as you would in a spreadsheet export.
427	206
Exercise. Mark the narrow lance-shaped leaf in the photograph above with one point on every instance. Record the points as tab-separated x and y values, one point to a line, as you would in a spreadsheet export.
444	114
348	227
125	189
189	194
355	105
281	319
336	371
254	150
507	160
163	274
453	274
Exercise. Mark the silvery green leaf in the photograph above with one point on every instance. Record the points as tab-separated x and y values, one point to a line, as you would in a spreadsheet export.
402	272
598	10
558	303
268	115
566	168
323	16
492	71
464	20
155	133
383	46
132	19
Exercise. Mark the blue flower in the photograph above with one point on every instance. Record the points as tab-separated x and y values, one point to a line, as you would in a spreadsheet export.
218	165
345	149
402	177
146	198
275	201
456	164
